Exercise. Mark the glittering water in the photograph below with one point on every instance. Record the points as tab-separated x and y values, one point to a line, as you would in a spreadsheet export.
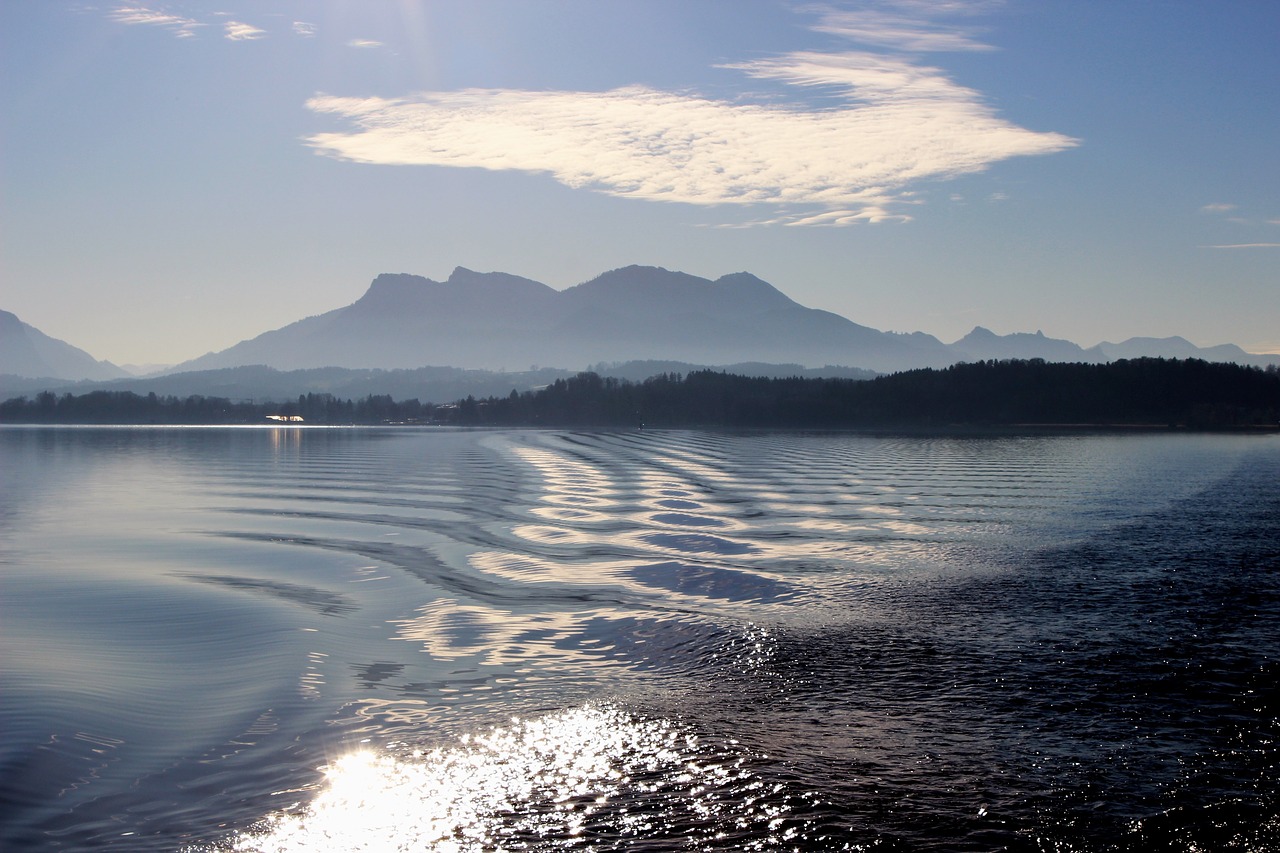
306	639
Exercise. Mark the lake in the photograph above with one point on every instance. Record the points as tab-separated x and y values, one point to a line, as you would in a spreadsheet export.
293	639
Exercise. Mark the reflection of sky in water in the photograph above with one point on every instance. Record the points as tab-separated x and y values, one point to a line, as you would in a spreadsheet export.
199	625
592	772
448	630
685	525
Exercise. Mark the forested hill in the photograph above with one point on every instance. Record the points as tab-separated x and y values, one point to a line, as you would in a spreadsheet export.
1146	392
1157	392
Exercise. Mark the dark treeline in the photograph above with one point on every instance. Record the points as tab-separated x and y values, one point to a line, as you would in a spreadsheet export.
126	407
1148	391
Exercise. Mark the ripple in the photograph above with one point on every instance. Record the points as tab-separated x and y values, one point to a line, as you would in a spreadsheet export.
897	642
712	582
593	774
681	519
322	601
693	543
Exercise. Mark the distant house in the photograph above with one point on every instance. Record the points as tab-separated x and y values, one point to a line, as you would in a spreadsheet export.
292	419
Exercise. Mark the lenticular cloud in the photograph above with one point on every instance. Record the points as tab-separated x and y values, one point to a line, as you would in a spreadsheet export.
895	124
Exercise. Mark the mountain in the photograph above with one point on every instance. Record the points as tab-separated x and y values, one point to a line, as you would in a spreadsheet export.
497	321
27	351
1177	348
509	325
144	369
260	384
983	344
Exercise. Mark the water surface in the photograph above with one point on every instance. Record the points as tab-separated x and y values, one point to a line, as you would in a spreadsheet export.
319	639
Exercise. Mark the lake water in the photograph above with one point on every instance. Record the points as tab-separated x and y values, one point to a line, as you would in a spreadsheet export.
414	639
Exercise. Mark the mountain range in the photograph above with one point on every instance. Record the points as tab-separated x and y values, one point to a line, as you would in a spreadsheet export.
506	323
27	351
497	321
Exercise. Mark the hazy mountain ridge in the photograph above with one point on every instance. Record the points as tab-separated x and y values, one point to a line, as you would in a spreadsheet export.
498	322
1179	347
27	351
259	383
982	345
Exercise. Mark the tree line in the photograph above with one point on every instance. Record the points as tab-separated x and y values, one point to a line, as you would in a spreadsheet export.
127	407
1144	391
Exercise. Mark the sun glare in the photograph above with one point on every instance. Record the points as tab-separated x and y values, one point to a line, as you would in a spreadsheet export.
547	783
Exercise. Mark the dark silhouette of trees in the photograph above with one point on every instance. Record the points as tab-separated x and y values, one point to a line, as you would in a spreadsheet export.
1146	392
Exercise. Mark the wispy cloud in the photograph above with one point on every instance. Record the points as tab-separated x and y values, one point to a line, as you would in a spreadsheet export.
1221	209
238	31
892	26
181	27
898	123
1246	246
304	29
184	27
364	43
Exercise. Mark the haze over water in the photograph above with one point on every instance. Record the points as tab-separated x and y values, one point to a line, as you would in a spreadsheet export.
321	639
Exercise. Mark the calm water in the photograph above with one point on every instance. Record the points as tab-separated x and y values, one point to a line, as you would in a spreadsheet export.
309	639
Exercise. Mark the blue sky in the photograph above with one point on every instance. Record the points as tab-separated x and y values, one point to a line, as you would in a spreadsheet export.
180	176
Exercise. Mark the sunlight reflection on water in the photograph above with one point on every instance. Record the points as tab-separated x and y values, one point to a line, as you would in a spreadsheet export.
549	783
713	642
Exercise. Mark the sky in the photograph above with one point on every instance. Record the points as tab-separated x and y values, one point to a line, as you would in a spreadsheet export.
177	177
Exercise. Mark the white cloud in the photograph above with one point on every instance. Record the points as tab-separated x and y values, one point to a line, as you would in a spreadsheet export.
364	43
182	27
237	31
898	31
897	124
303	28
870	212
1246	246
1219	209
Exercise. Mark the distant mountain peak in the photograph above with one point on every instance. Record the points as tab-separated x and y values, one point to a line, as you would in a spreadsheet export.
390	289
650	290
982	343
499	321
27	351
395	280
763	294
502	281
637	275
463	276
1177	347
737	277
